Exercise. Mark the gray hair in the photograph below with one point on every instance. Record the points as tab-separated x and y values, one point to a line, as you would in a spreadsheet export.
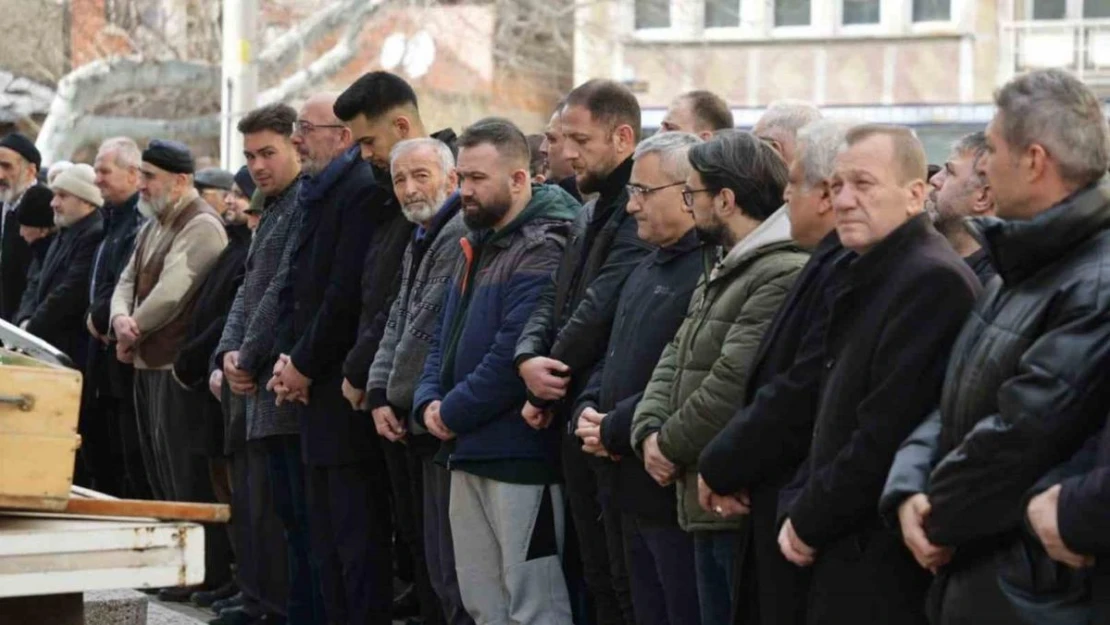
819	143
446	158
974	144
672	148
1055	110
128	154
788	116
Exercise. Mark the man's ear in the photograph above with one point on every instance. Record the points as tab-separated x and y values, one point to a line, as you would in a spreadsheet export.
825	204
919	192
453	179
983	201
625	138
1035	162
725	203
403	125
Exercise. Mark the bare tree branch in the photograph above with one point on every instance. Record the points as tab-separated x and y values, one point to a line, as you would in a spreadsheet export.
286	48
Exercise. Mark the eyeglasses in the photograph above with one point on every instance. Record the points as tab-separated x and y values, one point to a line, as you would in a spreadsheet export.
306	127
688	195
636	191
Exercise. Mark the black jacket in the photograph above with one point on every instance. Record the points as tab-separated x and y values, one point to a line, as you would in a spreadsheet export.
896	314
207	325
1083	515
760	449
39	249
15	261
1026	386
59	294
320	304
980	263
381	279
575	313
651	308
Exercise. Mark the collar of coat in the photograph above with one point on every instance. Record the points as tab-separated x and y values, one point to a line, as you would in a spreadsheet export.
876	263
688	243
316	187
1019	249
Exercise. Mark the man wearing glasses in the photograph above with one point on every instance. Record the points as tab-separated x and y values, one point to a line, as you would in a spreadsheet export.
735	192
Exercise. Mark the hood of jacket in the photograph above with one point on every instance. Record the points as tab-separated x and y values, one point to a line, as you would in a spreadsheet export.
774	229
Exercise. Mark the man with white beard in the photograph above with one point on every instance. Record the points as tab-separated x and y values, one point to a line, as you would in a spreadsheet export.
424	180
19	167
151	309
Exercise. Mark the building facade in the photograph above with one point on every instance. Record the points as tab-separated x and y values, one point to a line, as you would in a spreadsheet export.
931	64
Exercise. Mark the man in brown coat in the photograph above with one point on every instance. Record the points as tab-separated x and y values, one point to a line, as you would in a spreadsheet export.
151	310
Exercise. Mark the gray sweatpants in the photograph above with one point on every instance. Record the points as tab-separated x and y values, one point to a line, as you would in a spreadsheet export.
508	546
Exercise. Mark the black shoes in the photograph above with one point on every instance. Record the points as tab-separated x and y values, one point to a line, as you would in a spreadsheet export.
205	598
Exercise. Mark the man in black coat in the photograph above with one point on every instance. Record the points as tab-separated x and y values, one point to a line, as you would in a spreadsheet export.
1028	380
960	191
903	295
377	100
759	450
56	296
108	427
19	167
659	556
568	332
319	306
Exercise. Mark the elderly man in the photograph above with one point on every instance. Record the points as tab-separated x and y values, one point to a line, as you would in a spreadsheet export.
264	437
424	181
212	184
53	307
902	295
699	112
1026	382
19	169
779	125
734	191
744	467
960	190
658	554
505	496
567	333
152	305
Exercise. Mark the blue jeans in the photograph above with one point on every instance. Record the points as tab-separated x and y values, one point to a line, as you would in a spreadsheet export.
714	553
287	479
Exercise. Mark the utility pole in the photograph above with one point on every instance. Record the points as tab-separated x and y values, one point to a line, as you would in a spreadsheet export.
239	83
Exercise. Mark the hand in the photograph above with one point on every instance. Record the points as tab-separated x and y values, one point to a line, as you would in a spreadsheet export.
793	549
538	418
911	516
1043	513
539	376
434	422
658	467
127	330
288	383
125	353
589	430
240	381
353	395
216	384
387	425
724	506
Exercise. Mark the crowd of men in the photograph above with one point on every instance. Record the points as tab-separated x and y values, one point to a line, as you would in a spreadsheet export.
777	377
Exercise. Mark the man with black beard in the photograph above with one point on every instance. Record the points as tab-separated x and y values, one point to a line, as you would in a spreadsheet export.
568	332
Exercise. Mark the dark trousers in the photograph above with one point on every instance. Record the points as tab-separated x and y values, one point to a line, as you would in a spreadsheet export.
439	548
258	536
165	414
351	527
290	500
661	572
407	484
714	558
612	606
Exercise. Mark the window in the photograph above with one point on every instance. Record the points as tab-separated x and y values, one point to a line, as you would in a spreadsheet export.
860	12
792	12
1096	8
722	13
653	14
1050	9
932	10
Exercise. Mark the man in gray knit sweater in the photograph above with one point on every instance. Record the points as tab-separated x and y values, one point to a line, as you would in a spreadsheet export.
424	181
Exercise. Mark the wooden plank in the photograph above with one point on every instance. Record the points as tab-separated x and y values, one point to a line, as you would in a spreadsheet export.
164	510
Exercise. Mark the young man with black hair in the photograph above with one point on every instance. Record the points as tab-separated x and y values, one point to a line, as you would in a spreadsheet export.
568	332
506	502
382	110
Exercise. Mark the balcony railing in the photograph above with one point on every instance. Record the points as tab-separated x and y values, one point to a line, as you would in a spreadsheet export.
1081	46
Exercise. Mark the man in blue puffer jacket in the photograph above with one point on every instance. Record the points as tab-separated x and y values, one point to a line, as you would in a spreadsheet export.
505	500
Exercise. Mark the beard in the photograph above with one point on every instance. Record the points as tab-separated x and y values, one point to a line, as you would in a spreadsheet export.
10	191
421	211
591	180
62	221
479	216
154	207
714	233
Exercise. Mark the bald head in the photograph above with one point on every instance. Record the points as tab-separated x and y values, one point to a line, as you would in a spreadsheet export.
319	136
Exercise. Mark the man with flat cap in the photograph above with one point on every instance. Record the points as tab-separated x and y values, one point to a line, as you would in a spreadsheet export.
213	184
19	169
152	305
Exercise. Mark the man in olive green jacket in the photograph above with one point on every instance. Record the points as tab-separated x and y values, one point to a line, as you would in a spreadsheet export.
735	191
